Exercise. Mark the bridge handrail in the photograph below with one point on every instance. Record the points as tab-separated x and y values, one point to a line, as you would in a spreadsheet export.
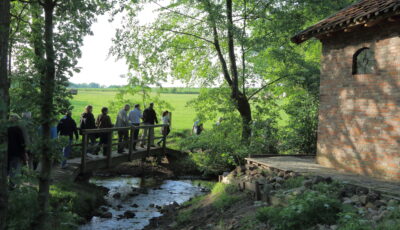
87	132
107	130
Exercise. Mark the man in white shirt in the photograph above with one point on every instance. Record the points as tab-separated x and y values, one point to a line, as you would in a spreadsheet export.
123	121
134	117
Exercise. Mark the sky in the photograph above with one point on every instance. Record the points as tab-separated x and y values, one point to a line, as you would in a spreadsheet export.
96	64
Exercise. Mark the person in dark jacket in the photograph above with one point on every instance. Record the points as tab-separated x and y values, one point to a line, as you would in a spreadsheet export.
104	121
88	122
149	118
16	147
67	127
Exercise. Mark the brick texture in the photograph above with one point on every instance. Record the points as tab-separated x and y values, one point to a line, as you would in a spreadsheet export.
359	116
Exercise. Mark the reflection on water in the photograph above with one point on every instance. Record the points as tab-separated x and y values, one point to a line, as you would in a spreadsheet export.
144	206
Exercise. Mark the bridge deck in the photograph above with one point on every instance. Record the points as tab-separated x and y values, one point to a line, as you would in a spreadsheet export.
96	162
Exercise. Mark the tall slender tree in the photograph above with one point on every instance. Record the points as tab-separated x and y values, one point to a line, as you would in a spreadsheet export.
4	38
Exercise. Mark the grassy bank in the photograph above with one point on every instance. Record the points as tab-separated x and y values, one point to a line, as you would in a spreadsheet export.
70	204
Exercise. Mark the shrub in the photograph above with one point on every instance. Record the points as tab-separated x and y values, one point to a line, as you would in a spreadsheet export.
391	221
23	207
221	149
293	182
299	136
302	212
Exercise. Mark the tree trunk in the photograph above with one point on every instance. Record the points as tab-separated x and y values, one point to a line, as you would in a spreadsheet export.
47	83
4	95
232	77
241	101
243	106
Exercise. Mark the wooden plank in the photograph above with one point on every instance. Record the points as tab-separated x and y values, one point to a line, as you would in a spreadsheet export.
84	150
109	149
148	141
131	142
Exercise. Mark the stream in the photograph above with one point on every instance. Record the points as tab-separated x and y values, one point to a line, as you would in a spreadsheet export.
126	194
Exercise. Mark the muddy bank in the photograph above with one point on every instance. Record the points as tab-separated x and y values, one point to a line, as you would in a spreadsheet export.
176	166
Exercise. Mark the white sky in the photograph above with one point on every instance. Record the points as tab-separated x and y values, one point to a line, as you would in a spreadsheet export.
96	65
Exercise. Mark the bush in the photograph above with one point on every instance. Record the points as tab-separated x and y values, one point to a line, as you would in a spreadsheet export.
293	182
299	136
221	149
23	205
215	151
302	212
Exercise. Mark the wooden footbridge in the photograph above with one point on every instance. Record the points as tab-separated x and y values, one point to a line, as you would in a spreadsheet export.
109	157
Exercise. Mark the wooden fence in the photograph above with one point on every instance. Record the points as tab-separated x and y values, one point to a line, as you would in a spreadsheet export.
112	142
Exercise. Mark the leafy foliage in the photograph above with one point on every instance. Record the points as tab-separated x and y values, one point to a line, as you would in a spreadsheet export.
302	212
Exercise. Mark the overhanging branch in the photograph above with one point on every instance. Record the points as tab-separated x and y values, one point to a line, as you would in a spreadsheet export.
265	86
186	33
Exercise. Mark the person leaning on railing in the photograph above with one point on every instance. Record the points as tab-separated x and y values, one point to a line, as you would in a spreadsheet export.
104	121
88	122
134	117
149	118
166	119
123	121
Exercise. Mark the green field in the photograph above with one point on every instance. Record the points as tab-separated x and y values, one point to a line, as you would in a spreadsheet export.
182	115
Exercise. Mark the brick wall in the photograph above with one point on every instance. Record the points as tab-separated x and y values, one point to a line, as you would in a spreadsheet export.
359	117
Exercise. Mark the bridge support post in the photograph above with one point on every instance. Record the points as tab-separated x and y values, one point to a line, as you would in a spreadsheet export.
109	148
148	142
164	145
84	150
131	142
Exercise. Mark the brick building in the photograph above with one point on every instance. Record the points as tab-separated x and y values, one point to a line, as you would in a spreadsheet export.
359	115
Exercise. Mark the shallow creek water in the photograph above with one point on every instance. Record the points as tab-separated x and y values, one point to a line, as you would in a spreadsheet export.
143	205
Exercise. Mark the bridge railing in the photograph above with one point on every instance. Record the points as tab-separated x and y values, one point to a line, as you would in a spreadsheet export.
108	146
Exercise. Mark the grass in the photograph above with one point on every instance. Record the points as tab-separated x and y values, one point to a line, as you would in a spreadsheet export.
182	115
224	196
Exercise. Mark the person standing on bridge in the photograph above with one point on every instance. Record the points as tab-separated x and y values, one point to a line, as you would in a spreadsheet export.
67	127
149	118
166	120
88	122
104	121
134	117
123	121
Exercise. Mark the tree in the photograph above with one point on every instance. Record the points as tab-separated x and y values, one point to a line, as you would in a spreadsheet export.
185	46
4	38
241	45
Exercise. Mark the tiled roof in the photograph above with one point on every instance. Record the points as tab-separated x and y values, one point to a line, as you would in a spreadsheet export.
358	13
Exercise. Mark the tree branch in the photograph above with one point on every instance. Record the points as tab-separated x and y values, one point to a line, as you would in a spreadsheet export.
231	50
243	49
176	12
185	33
221	56
265	86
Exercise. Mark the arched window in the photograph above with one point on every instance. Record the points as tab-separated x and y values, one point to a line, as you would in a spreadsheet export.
364	61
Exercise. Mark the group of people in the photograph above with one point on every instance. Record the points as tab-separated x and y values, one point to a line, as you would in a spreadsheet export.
18	138
125	118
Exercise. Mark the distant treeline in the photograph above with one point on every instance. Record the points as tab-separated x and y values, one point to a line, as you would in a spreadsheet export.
91	85
177	90
98	87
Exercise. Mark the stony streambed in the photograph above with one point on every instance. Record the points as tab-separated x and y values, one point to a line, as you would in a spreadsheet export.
130	206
